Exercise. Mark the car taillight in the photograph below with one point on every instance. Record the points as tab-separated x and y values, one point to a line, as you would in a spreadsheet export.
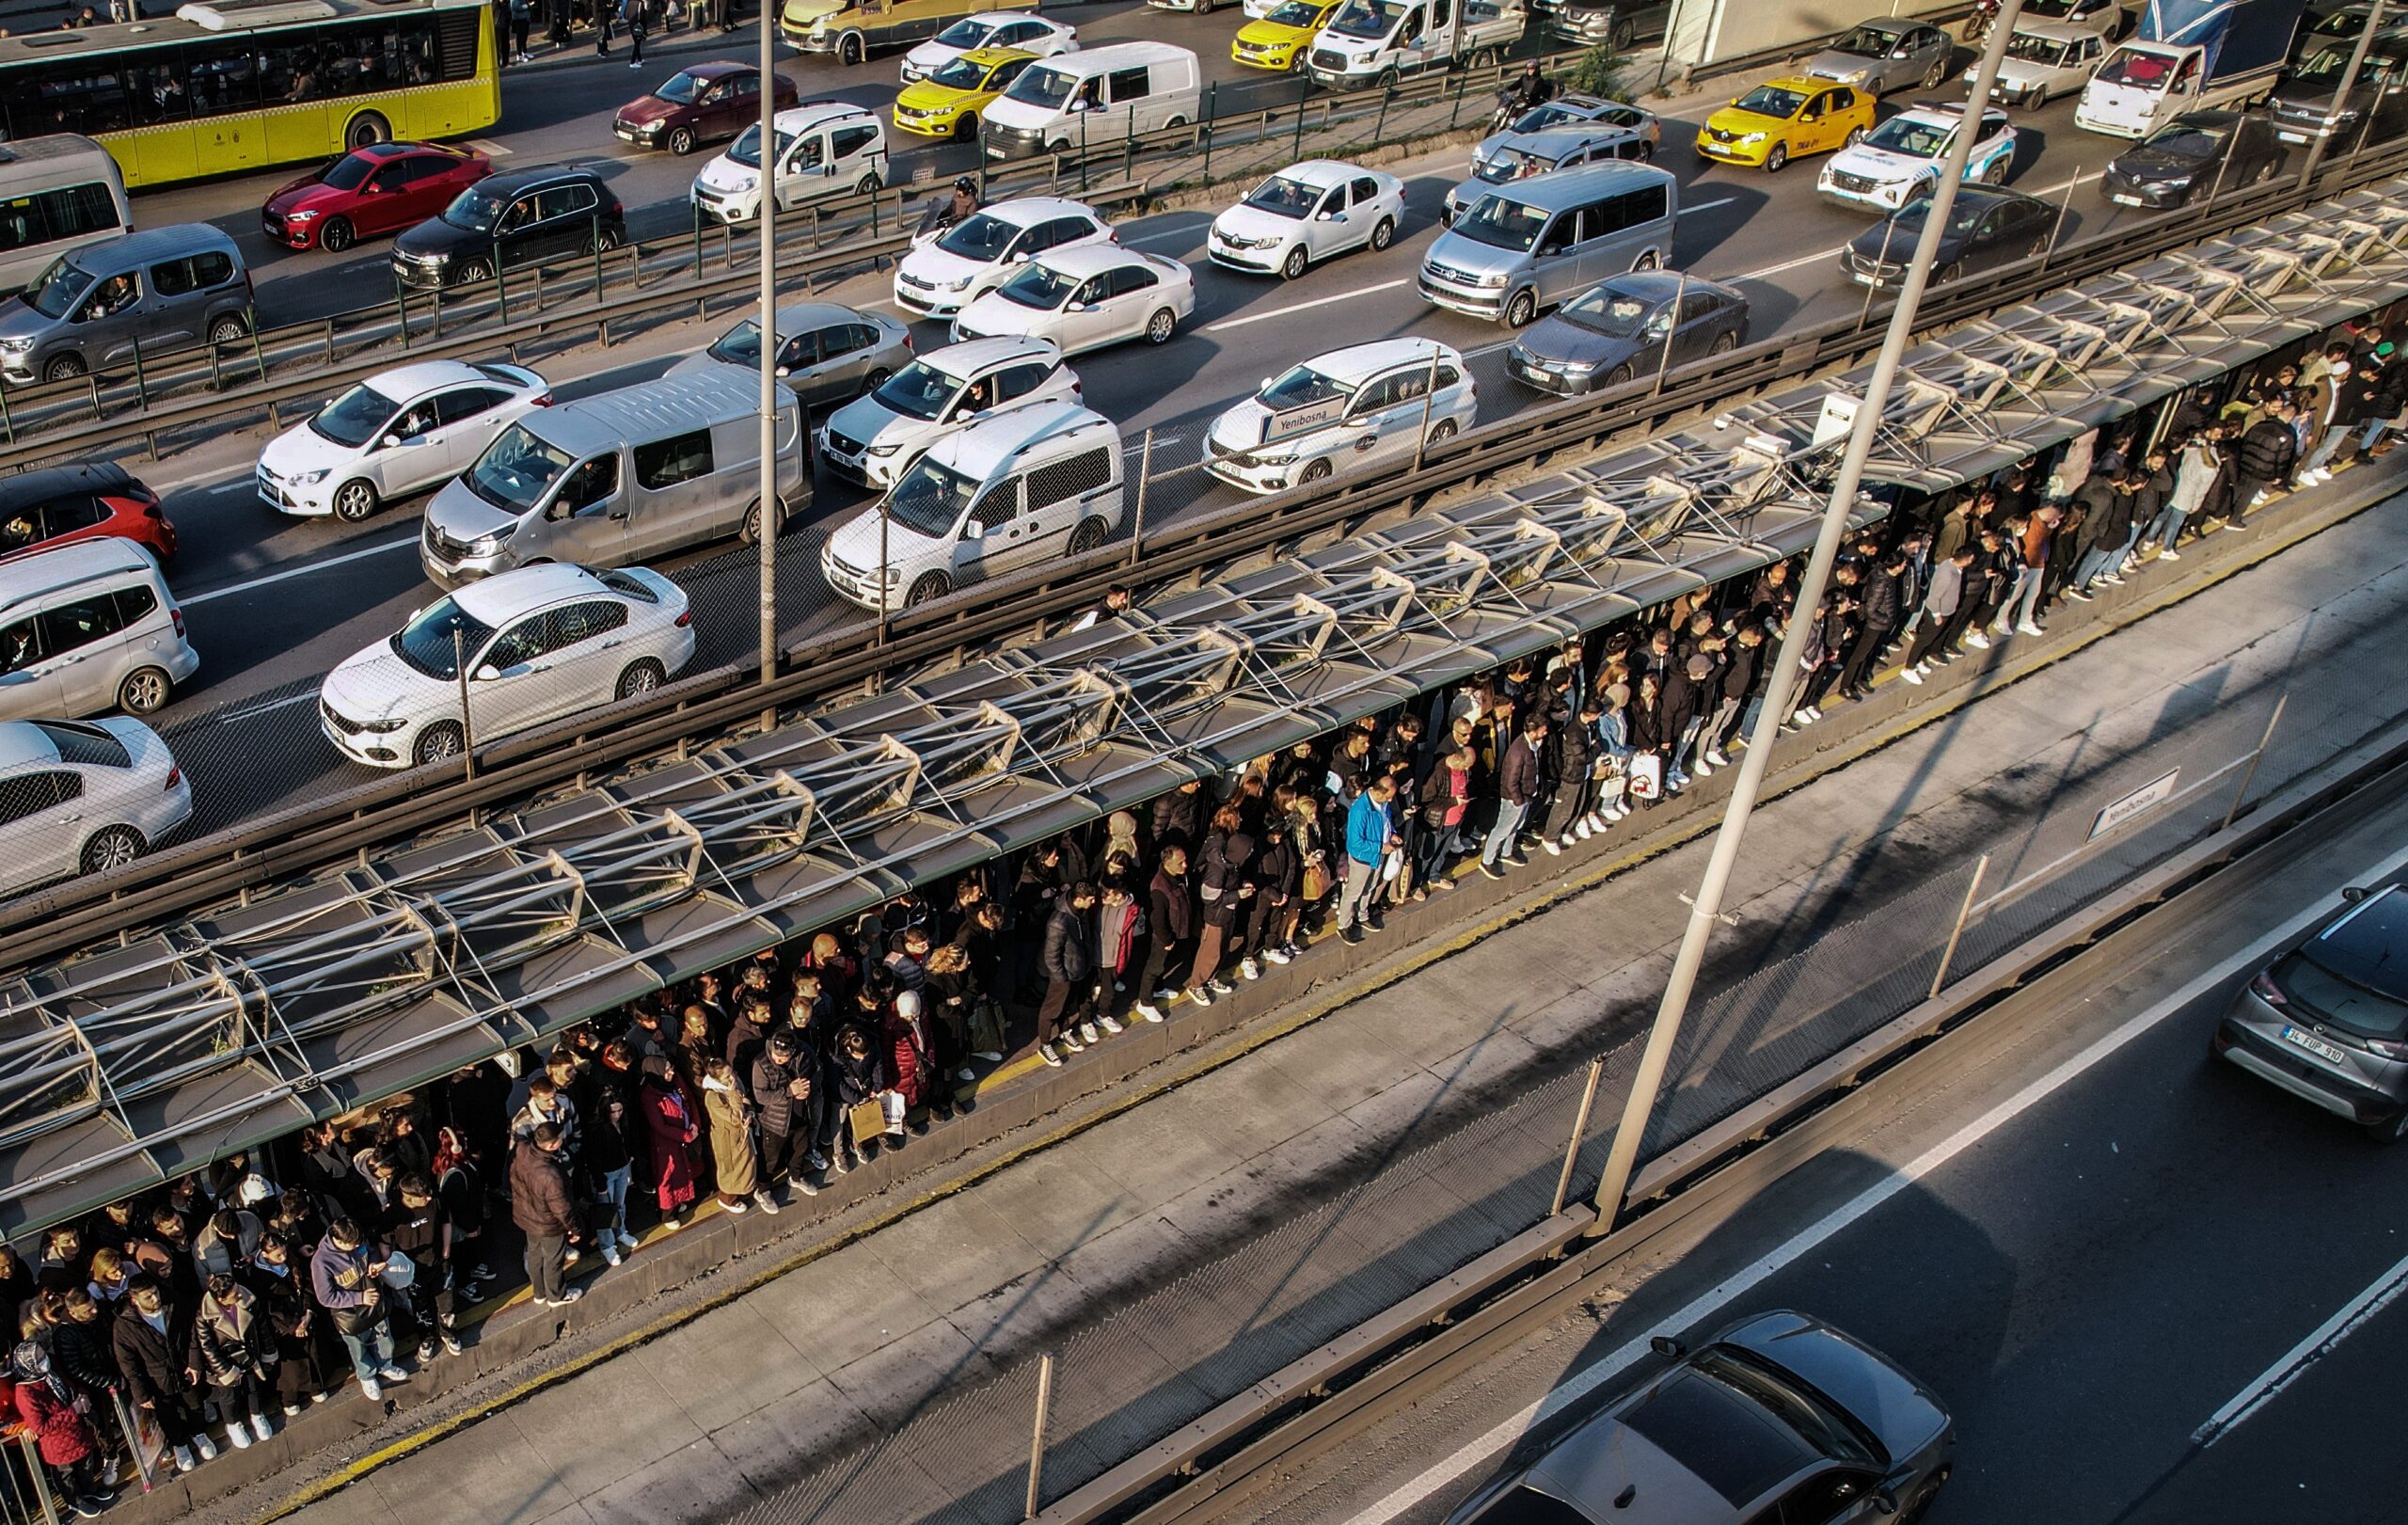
175	777
2264	988
545	400
907	338
685	618
179	616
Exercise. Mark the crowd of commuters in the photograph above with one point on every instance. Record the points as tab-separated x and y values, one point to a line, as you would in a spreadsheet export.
203	1314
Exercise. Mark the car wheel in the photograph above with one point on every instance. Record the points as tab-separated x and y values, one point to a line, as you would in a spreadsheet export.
2035	98
1383	233
1724	343
931	587
1955	271
1995	174
63	368
681	141
849	49
875	379
114	847
641	677
2390	1132
366	130
965	127
439	742
1938	72
1316	470
1088	535
1774	159
475	273
1387	79
227	329
868	184
144	691
601	240
1294	265
1300	62
1520	309
1440	433
1854	136
1622	36
1161	326
751	533
355	500
1617	376
337	236
1648	259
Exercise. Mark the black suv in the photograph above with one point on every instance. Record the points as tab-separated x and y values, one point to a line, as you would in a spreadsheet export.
524	216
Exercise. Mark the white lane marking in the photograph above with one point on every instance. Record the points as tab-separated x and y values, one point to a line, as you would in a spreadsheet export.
1579	1386
1300	306
1707	206
291	572
233	716
235	485
2295	1364
1163	238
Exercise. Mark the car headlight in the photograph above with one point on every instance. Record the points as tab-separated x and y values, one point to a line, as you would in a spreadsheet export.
310	478
1288	458
2177	182
1575	367
16	346
1492	281
383	728
1856	76
485	545
883	450
305	215
961	285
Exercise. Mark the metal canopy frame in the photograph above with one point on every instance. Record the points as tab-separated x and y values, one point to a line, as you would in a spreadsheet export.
131	1063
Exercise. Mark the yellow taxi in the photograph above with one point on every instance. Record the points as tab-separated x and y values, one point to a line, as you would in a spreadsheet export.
1782	118
1282	38
947	102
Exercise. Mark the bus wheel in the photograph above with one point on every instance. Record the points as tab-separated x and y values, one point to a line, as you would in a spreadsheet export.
368	129
336	237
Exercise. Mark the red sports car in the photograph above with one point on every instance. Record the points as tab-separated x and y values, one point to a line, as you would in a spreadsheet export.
379	189
43	509
698	104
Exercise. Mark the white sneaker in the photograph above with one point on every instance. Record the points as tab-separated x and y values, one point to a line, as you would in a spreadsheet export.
629	1242
965	1075
184	1462
570	1259
261	1429
207	1450
610	1250
2026	628
568	1296
1087	1033
1552	850
1108	1025
765	1201
1069	1043
1718	758
386	1374
1911	675
1701	769
1976	640
1147	1010
1198	994
989	1056
1275	955
1586	827
2168	556
236	1435
1045	1052
2115	578
1248	969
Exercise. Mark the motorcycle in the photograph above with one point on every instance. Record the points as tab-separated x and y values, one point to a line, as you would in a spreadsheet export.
936	220
1984	18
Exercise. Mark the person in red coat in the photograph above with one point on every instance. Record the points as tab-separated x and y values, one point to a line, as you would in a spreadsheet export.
673	1125
70	1448
919	1079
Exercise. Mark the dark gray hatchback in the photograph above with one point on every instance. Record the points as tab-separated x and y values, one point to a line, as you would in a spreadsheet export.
2327	1018
1778	1417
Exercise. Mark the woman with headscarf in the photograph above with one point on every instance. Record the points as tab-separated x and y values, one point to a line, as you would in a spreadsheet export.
52	1412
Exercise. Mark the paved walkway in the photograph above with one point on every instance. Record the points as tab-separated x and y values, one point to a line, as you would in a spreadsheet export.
731	1407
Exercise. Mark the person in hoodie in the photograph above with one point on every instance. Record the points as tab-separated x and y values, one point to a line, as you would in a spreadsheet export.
1275	875
1119	941
345	1272
53	1413
1573	748
1170	916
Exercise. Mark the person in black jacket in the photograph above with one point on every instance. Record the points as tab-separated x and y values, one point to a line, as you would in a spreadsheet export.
2267	450
1571	747
1067	963
2108	528
1741	679
1170	930
152	1342
792	1114
1877	618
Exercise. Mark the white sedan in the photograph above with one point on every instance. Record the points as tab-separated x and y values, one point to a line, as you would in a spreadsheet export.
1361	408
945	273
397	433
541	642
1085	298
1016	29
1305	214
83	797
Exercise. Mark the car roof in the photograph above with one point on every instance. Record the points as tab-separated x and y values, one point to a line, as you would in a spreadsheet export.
174	239
1948	113
1605	1462
1725	1440
1973	192
1555	191
22	744
405	382
989	57
511	182
973	356
1360	363
2360	943
61	567
1886	24
801	317
506	595
985	445
1094	258
1658	285
1323	173
648	410
23	488
718	68
1801	84
2053	31
1564	137
1026	211
811	114
997	18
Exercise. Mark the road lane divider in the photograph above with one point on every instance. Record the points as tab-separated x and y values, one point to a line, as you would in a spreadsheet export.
2327	1337
289	573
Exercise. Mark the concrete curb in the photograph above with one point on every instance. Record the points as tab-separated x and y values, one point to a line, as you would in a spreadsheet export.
1062	1106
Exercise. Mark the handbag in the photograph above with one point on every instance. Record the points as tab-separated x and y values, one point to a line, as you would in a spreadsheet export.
986	1026
1316	881
1646	776
866	1121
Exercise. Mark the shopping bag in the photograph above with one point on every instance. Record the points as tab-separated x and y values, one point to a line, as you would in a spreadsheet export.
1646	776
867	1121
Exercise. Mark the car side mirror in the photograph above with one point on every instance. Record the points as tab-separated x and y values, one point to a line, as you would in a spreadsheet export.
1019	259
390	441
973	529
1668	1347
2354	894
487	673
1884	1501
784	371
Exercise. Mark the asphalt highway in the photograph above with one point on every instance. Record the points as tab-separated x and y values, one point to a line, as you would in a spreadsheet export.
273	602
2152	1290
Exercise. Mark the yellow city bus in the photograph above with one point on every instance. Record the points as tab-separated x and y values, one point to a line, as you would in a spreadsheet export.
231	84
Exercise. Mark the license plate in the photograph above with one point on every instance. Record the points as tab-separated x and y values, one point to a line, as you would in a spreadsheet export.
2317	1046
2121	199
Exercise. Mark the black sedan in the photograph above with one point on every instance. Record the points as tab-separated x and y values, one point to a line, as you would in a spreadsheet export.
1620	328
2191	156
1986	227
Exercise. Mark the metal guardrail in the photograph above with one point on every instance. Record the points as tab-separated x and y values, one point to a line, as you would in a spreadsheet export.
293	841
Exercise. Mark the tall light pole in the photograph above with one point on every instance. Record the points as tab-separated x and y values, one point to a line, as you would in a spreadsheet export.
1706	910
2324	139
767	545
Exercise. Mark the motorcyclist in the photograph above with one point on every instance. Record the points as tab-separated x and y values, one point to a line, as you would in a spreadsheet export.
954	210
1533	88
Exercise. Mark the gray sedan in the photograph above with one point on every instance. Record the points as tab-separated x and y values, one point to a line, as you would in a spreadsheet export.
1879	57
1573	110
1780	1417
2327	1019
827	353
1619	328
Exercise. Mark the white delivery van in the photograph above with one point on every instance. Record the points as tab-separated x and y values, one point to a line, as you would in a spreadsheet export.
1095	96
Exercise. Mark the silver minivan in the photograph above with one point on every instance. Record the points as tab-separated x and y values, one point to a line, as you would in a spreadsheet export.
613	479
86	627
1531	244
111	304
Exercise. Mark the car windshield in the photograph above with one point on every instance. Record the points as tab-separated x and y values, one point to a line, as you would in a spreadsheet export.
2329	64
919	391
1527	1505
1771	101
2054	10
1604	310
740	346
1046	89
966	35
1796	1405
59	288
2028	49
346	173
962	73
1303	387
86	744
1295	13
475	209
425	643
2184	141
2142	70
984	237
1502	223
516	470
1038	286
1903	135
1907	222
1866	42
682	89
1510	164
1367	20
747	151
353	418
1284	197
1553	114
929	498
